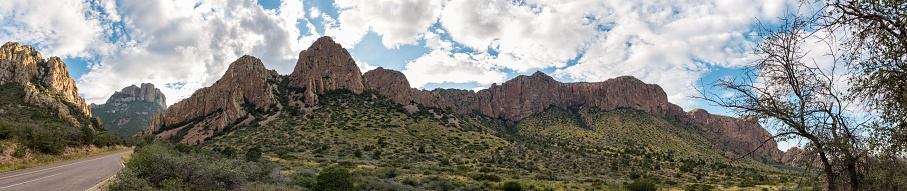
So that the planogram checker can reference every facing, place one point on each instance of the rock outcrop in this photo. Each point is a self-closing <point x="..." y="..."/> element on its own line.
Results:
<point x="146" y="92"/>
<point x="130" y="110"/>
<point x="741" y="136"/>
<point x="245" y="86"/>
<point x="394" y="84"/>
<point x="46" y="82"/>
<point x="524" y="96"/>
<point x="326" y="66"/>
<point x="798" y="157"/>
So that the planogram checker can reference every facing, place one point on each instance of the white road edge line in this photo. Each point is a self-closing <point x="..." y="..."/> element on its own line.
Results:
<point x="29" y="181"/>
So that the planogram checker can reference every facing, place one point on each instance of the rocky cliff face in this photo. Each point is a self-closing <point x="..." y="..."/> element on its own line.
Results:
<point x="146" y="92"/>
<point x="130" y="110"/>
<point x="524" y="96"/>
<point x="326" y="66"/>
<point x="46" y="82"/>
<point x="395" y="85"/>
<point x="740" y="135"/>
<point x="800" y="158"/>
<point x="242" y="88"/>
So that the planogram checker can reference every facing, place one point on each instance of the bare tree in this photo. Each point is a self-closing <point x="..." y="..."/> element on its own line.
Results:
<point x="799" y="99"/>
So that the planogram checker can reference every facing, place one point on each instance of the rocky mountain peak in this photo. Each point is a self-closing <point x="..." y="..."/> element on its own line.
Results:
<point x="326" y="66"/>
<point x="245" y="83"/>
<point x="130" y="110"/>
<point x="145" y="92"/>
<point x="46" y="82"/>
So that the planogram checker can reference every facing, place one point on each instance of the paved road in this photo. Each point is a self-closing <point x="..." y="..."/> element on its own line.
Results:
<point x="78" y="174"/>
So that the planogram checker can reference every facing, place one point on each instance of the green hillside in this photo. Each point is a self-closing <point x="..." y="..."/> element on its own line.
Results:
<point x="577" y="148"/>
<point x="346" y="123"/>
<point x="128" y="118"/>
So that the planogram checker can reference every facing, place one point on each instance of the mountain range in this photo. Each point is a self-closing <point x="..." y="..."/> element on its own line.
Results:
<point x="248" y="87"/>
<point x="249" y="95"/>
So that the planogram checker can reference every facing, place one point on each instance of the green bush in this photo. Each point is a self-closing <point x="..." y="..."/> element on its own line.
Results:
<point x="48" y="140"/>
<point x="253" y="154"/>
<point x="5" y="131"/>
<point x="162" y="167"/>
<point x="642" y="185"/>
<point x="512" y="186"/>
<point x="334" y="179"/>
<point x="304" y="179"/>
<point x="488" y="177"/>
<point x="183" y="148"/>
<point x="698" y="187"/>
<point x="375" y="183"/>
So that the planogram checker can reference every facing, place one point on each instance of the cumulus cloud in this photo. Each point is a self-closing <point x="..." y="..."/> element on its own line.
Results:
<point x="398" y="21"/>
<point x="185" y="45"/>
<point x="441" y="66"/>
<point x="65" y="28"/>
<point x="526" y="36"/>
<point x="180" y="46"/>
<point x="670" y="43"/>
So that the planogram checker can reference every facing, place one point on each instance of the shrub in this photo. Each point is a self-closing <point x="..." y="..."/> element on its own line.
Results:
<point x="162" y="167"/>
<point x="375" y="183"/>
<point x="440" y="183"/>
<point x="376" y="155"/>
<point x="49" y="140"/>
<point x="5" y="131"/>
<point x="183" y="148"/>
<point x="512" y="186"/>
<point x="642" y="185"/>
<point x="347" y="164"/>
<point x="228" y="151"/>
<point x="304" y="179"/>
<point x="698" y="187"/>
<point x="334" y="178"/>
<point x="253" y="154"/>
<point x="488" y="177"/>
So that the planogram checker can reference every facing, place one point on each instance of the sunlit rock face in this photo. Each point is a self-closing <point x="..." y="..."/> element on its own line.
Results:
<point x="45" y="82"/>
<point x="326" y="66"/>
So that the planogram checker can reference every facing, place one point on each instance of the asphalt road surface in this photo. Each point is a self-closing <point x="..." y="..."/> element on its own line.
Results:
<point x="78" y="174"/>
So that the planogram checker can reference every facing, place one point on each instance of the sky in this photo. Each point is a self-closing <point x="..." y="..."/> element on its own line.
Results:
<point x="183" y="45"/>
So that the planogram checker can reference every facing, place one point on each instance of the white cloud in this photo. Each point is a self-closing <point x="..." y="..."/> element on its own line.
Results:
<point x="670" y="43"/>
<point x="65" y="28"/>
<point x="191" y="43"/>
<point x="398" y="21"/>
<point x="441" y="66"/>
<point x="528" y="36"/>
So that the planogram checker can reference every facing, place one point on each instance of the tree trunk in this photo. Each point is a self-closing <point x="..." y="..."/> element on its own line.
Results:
<point x="852" y="171"/>
<point x="829" y="172"/>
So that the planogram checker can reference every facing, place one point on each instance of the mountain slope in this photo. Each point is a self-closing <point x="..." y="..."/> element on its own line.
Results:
<point x="34" y="86"/>
<point x="246" y="87"/>
<point x="130" y="110"/>
<point x="326" y="67"/>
